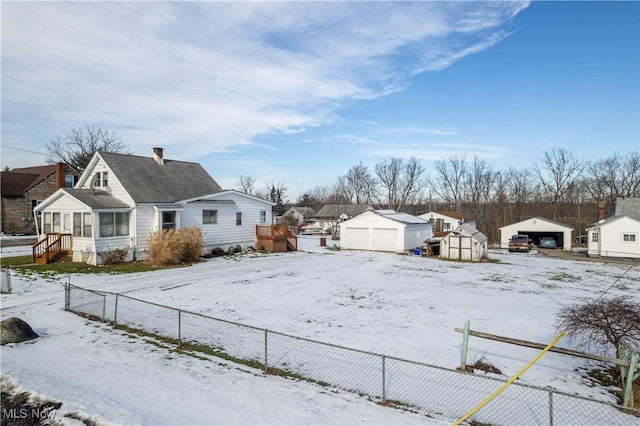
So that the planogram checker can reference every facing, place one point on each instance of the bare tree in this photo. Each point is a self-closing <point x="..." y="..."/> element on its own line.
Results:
<point x="616" y="176"/>
<point x="478" y="184"/>
<point x="449" y="180"/>
<point x="246" y="184"/>
<point x="276" y="193"/>
<point x="557" y="171"/>
<point x="78" y="146"/>
<point x="358" y="184"/>
<point x="401" y="183"/>
<point x="604" y="325"/>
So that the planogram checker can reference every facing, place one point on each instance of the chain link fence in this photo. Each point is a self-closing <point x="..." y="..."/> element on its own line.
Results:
<point x="5" y="280"/>
<point x="437" y="391"/>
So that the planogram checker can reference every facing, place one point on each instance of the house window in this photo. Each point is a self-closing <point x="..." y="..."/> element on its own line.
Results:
<point x="82" y="225"/>
<point x="56" y="223"/>
<point x="629" y="238"/>
<point x="209" y="217"/>
<point x="34" y="203"/>
<point x="47" y="223"/>
<point x="594" y="237"/>
<point x="102" y="179"/>
<point x="86" y="225"/>
<point x="114" y="224"/>
<point x="263" y="216"/>
<point x="69" y="181"/>
<point x="168" y="220"/>
<point x="77" y="224"/>
<point x="238" y="218"/>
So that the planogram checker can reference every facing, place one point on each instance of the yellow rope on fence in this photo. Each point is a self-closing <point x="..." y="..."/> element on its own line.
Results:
<point x="511" y="380"/>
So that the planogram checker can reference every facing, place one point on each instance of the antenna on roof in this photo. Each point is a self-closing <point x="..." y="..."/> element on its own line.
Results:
<point x="92" y="185"/>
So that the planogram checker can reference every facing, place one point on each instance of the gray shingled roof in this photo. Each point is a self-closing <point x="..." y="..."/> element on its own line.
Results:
<point x="335" y="210"/>
<point x="96" y="199"/>
<point x="146" y="181"/>
<point x="628" y="206"/>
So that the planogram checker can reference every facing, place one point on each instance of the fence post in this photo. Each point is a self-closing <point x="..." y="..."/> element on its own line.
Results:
<point x="179" y="328"/>
<point x="266" y="353"/>
<point x="628" y="388"/>
<point x="550" y="406"/>
<point x="104" y="308"/>
<point x="115" y="312"/>
<point x="67" y="296"/>
<point x="384" y="378"/>
<point x="465" y="345"/>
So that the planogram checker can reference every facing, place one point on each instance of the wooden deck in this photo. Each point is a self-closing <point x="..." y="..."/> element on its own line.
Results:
<point x="275" y="238"/>
<point x="51" y="247"/>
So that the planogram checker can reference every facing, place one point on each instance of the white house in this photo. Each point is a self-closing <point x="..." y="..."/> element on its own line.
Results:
<point x="617" y="235"/>
<point x="299" y="215"/>
<point x="536" y="228"/>
<point x="330" y="215"/>
<point x="384" y="230"/>
<point x="120" y="199"/>
<point x="446" y="220"/>
<point x="464" y="243"/>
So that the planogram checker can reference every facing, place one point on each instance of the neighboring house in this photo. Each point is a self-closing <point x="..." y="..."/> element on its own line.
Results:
<point x="446" y="220"/>
<point x="464" y="243"/>
<point x="617" y="235"/>
<point x="121" y="199"/>
<point x="536" y="228"/>
<point x="24" y="188"/>
<point x="330" y="215"/>
<point x="297" y="216"/>
<point x="384" y="230"/>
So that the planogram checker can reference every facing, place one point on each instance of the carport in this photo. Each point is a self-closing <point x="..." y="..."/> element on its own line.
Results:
<point x="536" y="228"/>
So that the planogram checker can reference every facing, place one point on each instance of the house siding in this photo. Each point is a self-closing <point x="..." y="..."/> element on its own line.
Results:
<point x="114" y="187"/>
<point x="610" y="242"/>
<point x="408" y="235"/>
<point x="17" y="213"/>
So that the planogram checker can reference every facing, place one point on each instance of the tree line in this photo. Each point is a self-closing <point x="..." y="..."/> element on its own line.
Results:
<point x="557" y="186"/>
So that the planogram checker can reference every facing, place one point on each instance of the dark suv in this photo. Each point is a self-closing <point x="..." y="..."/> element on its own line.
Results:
<point x="519" y="242"/>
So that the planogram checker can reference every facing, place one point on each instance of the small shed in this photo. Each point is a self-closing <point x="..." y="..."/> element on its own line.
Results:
<point x="384" y="230"/>
<point x="464" y="243"/>
<point x="536" y="228"/>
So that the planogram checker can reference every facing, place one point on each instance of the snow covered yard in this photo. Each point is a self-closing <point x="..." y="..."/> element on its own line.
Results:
<point x="403" y="306"/>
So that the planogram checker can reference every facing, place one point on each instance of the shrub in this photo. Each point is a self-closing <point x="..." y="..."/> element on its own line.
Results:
<point x="192" y="244"/>
<point x="165" y="247"/>
<point x="217" y="252"/>
<point x="113" y="257"/>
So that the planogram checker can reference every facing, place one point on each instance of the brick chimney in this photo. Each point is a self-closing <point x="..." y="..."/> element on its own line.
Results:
<point x="60" y="172"/>
<point x="157" y="155"/>
<point x="601" y="210"/>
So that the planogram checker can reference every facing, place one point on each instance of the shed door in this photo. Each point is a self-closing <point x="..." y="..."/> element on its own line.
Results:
<point x="385" y="239"/>
<point x="356" y="238"/>
<point x="460" y="247"/>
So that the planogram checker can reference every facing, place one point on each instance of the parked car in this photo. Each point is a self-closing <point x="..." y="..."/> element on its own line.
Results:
<point x="548" y="242"/>
<point x="519" y="242"/>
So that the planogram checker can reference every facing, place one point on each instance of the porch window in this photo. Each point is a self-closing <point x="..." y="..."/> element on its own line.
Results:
<point x="168" y="220"/>
<point x="209" y="217"/>
<point x="238" y="218"/>
<point x="56" y="223"/>
<point x="86" y="225"/>
<point x="77" y="224"/>
<point x="263" y="216"/>
<point x="594" y="237"/>
<point x="629" y="238"/>
<point x="114" y="224"/>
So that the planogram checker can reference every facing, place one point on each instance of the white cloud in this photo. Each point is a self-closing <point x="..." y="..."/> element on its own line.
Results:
<point x="212" y="76"/>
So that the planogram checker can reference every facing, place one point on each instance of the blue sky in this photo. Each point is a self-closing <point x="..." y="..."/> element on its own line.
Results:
<point x="298" y="92"/>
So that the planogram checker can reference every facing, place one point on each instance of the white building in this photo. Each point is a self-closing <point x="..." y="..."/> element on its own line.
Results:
<point x="536" y="228"/>
<point x="384" y="230"/>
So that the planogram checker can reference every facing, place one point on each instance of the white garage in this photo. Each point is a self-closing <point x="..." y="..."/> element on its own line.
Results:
<point x="536" y="228"/>
<point x="384" y="230"/>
